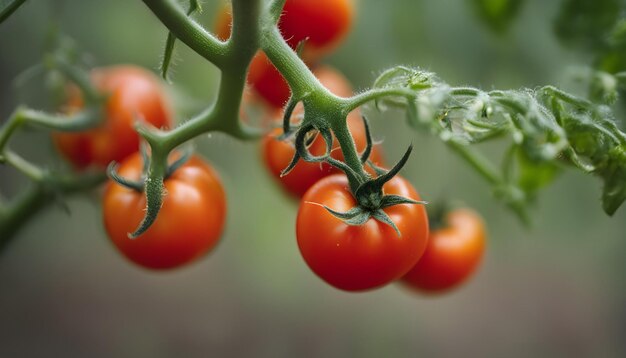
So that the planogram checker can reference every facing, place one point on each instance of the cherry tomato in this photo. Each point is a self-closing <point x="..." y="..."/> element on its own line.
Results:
<point x="356" y="258"/>
<point x="277" y="154"/>
<point x="189" y="223"/>
<point x="133" y="93"/>
<point x="452" y="255"/>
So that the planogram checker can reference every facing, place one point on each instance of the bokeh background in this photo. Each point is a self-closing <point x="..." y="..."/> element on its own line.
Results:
<point x="557" y="289"/>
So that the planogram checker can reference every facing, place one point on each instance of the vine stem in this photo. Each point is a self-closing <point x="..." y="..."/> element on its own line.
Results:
<point x="232" y="57"/>
<point x="33" y="200"/>
<point x="188" y="31"/>
<point x="10" y="9"/>
<point x="317" y="98"/>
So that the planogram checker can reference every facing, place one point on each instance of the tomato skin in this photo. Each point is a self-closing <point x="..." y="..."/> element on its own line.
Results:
<point x="277" y="154"/>
<point x="323" y="23"/>
<point x="453" y="254"/>
<point x="267" y="81"/>
<point x="224" y="22"/>
<point x="132" y="93"/>
<point x="189" y="223"/>
<point x="357" y="258"/>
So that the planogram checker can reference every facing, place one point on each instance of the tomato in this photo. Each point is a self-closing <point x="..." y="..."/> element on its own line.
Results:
<point x="356" y="258"/>
<point x="277" y="154"/>
<point x="453" y="253"/>
<point x="132" y="93"/>
<point x="189" y="223"/>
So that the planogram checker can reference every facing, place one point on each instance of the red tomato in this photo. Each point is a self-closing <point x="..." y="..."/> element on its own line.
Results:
<point x="132" y="93"/>
<point x="452" y="255"/>
<point x="277" y="154"/>
<point x="188" y="226"/>
<point x="356" y="258"/>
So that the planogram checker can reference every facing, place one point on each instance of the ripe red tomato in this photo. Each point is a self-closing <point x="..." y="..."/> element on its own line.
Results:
<point x="356" y="258"/>
<point x="452" y="255"/>
<point x="132" y="93"/>
<point x="188" y="226"/>
<point x="277" y="154"/>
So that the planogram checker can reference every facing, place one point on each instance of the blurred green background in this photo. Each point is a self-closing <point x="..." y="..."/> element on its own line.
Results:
<point x="555" y="290"/>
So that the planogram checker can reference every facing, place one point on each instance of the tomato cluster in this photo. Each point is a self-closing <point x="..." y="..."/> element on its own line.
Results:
<point x="391" y="243"/>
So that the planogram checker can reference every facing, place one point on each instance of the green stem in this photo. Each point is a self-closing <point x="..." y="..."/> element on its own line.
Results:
<point x="10" y="9"/>
<point x="372" y="94"/>
<point x="25" y="167"/>
<point x="304" y="85"/>
<point x="350" y="154"/>
<point x="301" y="80"/>
<point x="154" y="188"/>
<point x="82" y="120"/>
<point x="22" y="209"/>
<point x="232" y="57"/>
<point x="244" y="41"/>
<point x="188" y="31"/>
<point x="29" y="203"/>
<point x="478" y="162"/>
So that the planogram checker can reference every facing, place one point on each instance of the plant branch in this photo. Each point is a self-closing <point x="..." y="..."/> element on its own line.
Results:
<point x="9" y="9"/>
<point x="189" y="31"/>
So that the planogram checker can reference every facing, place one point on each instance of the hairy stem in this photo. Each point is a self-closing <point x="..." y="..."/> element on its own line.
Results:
<point x="188" y="31"/>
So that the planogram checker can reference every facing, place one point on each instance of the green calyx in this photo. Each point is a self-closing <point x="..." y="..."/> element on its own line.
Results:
<point x="138" y="185"/>
<point x="154" y="190"/>
<point x="367" y="191"/>
<point x="371" y="199"/>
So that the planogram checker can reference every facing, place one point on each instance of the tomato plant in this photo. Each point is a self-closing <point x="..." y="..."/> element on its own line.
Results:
<point x="359" y="257"/>
<point x="132" y="93"/>
<point x="277" y="153"/>
<point x="190" y="221"/>
<point x="358" y="230"/>
<point x="453" y="253"/>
